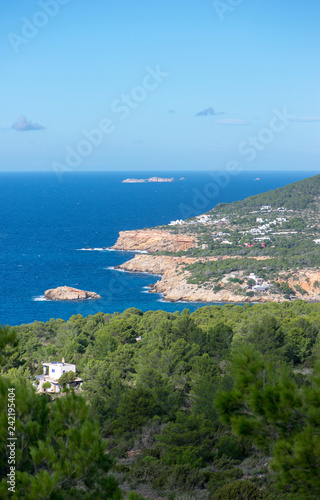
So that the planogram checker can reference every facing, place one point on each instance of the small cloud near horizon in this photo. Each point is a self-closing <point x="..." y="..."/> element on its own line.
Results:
<point x="208" y="112"/>
<point x="306" y="119"/>
<point x="232" y="122"/>
<point x="23" y="125"/>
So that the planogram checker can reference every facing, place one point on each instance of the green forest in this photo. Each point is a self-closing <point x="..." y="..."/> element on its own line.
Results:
<point x="221" y="403"/>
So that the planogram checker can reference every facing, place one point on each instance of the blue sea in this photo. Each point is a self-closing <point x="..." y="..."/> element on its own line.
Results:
<point x="47" y="222"/>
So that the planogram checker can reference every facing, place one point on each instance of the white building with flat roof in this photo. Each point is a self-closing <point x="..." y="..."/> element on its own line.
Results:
<point x="55" y="369"/>
<point x="261" y="288"/>
<point x="52" y="372"/>
<point x="177" y="222"/>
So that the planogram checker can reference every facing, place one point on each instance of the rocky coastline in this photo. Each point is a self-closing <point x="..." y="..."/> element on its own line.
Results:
<point x="154" y="241"/>
<point x="174" y="285"/>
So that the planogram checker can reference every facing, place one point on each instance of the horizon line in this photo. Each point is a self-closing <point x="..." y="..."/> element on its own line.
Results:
<point x="158" y="171"/>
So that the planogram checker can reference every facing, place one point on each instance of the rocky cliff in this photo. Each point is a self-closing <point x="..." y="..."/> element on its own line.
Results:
<point x="69" y="293"/>
<point x="155" y="264"/>
<point x="307" y="280"/>
<point x="154" y="240"/>
<point x="174" y="280"/>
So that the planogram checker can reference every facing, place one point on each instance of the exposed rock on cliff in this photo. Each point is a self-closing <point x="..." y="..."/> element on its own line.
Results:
<point x="69" y="293"/>
<point x="307" y="280"/>
<point x="154" y="264"/>
<point x="154" y="240"/>
<point x="174" y="286"/>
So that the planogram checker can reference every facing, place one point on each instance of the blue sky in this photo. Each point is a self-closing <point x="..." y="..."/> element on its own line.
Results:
<point x="118" y="85"/>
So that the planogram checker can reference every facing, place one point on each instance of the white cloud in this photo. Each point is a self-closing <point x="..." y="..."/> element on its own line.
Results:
<point x="23" y="125"/>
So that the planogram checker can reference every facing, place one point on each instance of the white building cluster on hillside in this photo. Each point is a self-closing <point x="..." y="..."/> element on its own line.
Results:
<point x="177" y="222"/>
<point x="266" y="225"/>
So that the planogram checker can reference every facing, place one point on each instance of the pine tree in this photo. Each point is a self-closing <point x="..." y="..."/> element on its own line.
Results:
<point x="281" y="415"/>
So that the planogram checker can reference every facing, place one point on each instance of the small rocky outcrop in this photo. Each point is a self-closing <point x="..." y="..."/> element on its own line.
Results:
<point x="153" y="240"/>
<point x="69" y="293"/>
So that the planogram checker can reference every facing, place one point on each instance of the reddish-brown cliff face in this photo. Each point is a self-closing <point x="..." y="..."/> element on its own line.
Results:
<point x="154" y="240"/>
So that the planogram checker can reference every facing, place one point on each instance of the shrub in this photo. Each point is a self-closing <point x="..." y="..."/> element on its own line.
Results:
<point x="220" y="478"/>
<point x="66" y="378"/>
<point x="224" y="462"/>
<point x="251" y="282"/>
<point x="239" y="490"/>
<point x="233" y="447"/>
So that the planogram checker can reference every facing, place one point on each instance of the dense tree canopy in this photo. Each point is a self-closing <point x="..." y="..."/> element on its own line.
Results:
<point x="186" y="402"/>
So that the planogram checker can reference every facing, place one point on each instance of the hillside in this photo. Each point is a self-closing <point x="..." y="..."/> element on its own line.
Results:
<point x="265" y="247"/>
<point x="164" y="394"/>
<point x="299" y="195"/>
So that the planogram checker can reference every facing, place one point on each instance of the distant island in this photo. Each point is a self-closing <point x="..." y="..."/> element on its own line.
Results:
<point x="151" y="179"/>
<point x="264" y="248"/>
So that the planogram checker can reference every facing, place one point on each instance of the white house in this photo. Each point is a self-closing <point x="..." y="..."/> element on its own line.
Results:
<point x="52" y="372"/>
<point x="258" y="281"/>
<point x="261" y="288"/>
<point x="265" y="207"/>
<point x="203" y="219"/>
<point x="55" y="369"/>
<point x="176" y="222"/>
<point x="263" y="238"/>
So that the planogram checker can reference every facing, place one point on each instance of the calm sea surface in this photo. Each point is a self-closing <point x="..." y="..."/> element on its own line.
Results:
<point x="45" y="223"/>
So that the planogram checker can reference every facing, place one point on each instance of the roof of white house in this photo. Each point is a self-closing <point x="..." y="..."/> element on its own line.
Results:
<point x="58" y="364"/>
<point x="261" y="288"/>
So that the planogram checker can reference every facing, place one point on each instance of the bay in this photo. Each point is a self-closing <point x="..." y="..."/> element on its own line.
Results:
<point x="46" y="222"/>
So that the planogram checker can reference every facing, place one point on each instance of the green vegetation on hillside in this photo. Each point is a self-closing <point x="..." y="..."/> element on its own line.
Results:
<point x="200" y="403"/>
<point x="282" y="226"/>
<point x="299" y="195"/>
